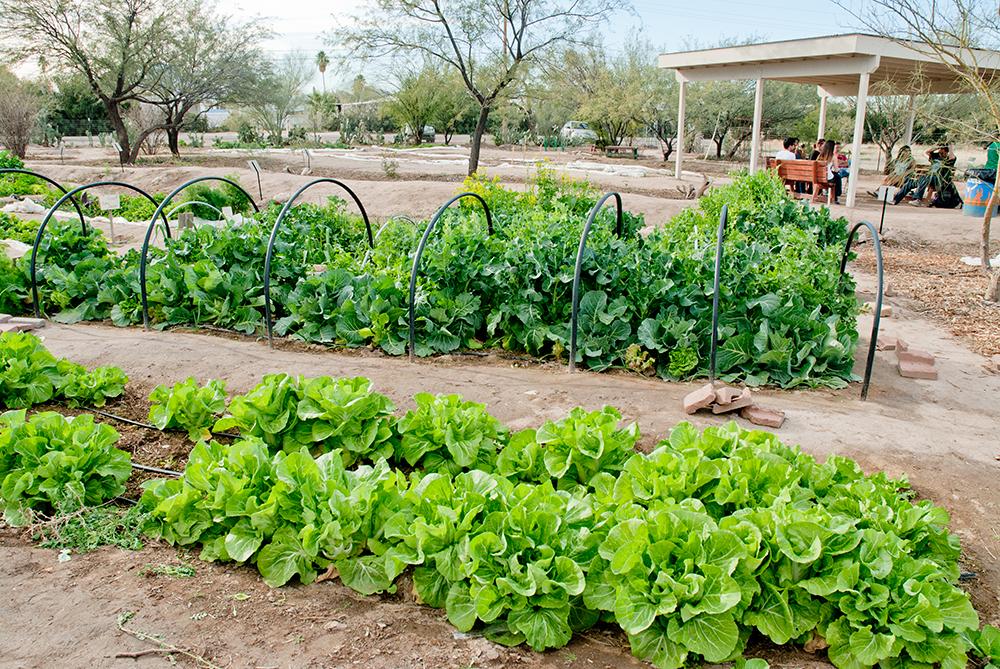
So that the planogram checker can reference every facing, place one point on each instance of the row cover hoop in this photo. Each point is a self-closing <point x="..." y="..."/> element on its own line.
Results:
<point x="166" y="225"/>
<point x="878" y="301"/>
<point x="619" y="228"/>
<point x="420" y="252"/>
<point x="76" y="205"/>
<point x="59" y="203"/>
<point x="274" y="236"/>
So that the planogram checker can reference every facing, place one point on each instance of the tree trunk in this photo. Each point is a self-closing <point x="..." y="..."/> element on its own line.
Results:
<point x="993" y="291"/>
<point x="118" y="125"/>
<point x="984" y="243"/>
<point x="477" y="139"/>
<point x="173" y="137"/>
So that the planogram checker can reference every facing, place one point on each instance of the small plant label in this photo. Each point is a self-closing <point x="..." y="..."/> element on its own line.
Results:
<point x="254" y="165"/>
<point x="118" y="147"/>
<point x="109" y="202"/>
<point x="227" y="213"/>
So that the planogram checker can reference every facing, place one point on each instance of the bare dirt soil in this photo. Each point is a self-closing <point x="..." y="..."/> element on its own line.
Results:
<point x="943" y="434"/>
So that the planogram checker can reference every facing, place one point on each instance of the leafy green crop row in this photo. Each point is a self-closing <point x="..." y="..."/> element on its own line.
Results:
<point x="534" y="535"/>
<point x="785" y="317"/>
<point x="30" y="375"/>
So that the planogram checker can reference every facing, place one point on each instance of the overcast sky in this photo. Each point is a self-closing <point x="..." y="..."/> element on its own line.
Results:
<point x="670" y="23"/>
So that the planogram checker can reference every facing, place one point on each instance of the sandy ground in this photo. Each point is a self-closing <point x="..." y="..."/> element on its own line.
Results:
<point x="942" y="434"/>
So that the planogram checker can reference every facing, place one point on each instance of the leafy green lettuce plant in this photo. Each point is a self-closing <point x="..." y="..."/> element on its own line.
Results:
<point x="188" y="406"/>
<point x="447" y="434"/>
<point x="52" y="465"/>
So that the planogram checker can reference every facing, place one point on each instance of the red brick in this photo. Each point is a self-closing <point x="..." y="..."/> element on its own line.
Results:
<point x="916" y="370"/>
<point x="758" y="415"/>
<point x="886" y="343"/>
<point x="4" y="318"/>
<point x="10" y="327"/>
<point x="901" y="345"/>
<point x="744" y="400"/>
<point x="915" y="355"/>
<point x="699" y="399"/>
<point x="726" y="394"/>
<point x="886" y="311"/>
<point x="889" y="290"/>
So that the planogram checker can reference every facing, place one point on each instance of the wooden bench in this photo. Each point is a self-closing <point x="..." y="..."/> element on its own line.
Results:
<point x="803" y="171"/>
<point x="611" y="151"/>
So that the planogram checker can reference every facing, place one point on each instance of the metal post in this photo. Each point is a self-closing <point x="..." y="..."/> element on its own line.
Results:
<point x="758" y="109"/>
<point x="723" y="218"/>
<point x="680" y="125"/>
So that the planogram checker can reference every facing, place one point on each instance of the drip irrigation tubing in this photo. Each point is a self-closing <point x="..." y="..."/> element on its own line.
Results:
<point x="477" y="354"/>
<point x="156" y="470"/>
<point x="153" y="427"/>
<point x="125" y="500"/>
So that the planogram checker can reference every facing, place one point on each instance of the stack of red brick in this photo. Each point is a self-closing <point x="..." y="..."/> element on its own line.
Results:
<point x="913" y="363"/>
<point x="9" y="323"/>
<point x="726" y="399"/>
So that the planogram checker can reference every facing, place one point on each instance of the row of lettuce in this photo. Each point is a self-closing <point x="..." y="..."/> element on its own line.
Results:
<point x="646" y="302"/>
<point x="531" y="536"/>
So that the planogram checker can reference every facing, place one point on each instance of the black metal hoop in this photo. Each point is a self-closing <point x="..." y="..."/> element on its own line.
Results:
<point x="152" y="224"/>
<point x="76" y="205"/>
<point x="579" y="267"/>
<point x="878" y="301"/>
<point x="723" y="220"/>
<point x="274" y="236"/>
<point x="48" y="216"/>
<point x="420" y="252"/>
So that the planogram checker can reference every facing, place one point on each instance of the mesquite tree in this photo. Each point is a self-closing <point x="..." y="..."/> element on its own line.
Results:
<point x="490" y="44"/>
<point x="951" y="32"/>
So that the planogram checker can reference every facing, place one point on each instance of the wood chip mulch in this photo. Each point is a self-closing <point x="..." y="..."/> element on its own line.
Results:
<point x="943" y="289"/>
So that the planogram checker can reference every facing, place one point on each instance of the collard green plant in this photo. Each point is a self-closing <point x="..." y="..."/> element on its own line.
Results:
<point x="52" y="465"/>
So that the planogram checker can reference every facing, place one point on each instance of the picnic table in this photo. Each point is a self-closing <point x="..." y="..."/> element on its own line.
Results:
<point x="611" y="151"/>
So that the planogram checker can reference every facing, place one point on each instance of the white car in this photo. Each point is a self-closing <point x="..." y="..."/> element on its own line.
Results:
<point x="577" y="131"/>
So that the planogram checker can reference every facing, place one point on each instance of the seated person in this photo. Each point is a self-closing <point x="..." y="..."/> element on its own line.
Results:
<point x="938" y="177"/>
<point x="829" y="156"/>
<point x="843" y="162"/>
<point x="788" y="153"/>
<point x="901" y="169"/>
<point x="817" y="148"/>
<point x="988" y="172"/>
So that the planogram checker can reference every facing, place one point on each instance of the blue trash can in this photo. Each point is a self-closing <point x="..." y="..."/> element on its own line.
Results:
<point x="977" y="196"/>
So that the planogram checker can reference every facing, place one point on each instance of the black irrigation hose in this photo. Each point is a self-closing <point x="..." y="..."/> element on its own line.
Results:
<point x="195" y="326"/>
<point x="153" y="427"/>
<point x="723" y="219"/>
<point x="498" y="355"/>
<point x="125" y="420"/>
<point x="125" y="500"/>
<point x="156" y="470"/>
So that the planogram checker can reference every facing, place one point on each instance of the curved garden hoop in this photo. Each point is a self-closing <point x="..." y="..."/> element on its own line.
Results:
<point x="420" y="252"/>
<point x="878" y="302"/>
<point x="579" y="266"/>
<point x="48" y="217"/>
<point x="274" y="236"/>
<point x="191" y="203"/>
<point x="76" y="205"/>
<point x="723" y="220"/>
<point x="166" y="226"/>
